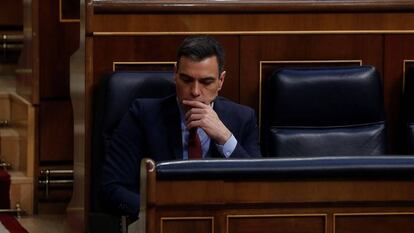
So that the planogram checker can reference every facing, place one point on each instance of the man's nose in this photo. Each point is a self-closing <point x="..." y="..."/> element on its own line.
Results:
<point x="195" y="89"/>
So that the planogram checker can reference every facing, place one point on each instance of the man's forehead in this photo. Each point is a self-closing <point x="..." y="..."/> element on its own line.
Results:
<point x="205" y="67"/>
<point x="199" y="60"/>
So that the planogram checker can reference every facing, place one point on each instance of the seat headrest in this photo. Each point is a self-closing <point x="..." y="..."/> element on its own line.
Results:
<point x="123" y="87"/>
<point x="325" y="96"/>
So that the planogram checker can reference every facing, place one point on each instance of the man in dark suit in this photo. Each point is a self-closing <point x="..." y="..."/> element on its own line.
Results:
<point x="194" y="123"/>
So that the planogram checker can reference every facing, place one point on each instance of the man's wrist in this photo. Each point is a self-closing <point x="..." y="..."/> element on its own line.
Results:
<point x="226" y="136"/>
<point x="228" y="147"/>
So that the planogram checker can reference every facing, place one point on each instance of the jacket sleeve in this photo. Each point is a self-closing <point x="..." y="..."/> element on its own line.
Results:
<point x="120" y="173"/>
<point x="247" y="138"/>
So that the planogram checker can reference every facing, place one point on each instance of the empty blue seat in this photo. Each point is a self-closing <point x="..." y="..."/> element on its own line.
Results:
<point x="324" y="111"/>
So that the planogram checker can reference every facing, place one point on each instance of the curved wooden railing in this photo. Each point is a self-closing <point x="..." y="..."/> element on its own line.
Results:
<point x="129" y="6"/>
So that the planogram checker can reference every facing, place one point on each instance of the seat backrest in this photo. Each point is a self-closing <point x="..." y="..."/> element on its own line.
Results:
<point x="112" y="100"/>
<point x="324" y="111"/>
<point x="409" y="109"/>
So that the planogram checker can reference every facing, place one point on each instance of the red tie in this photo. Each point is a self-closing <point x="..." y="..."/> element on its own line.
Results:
<point x="194" y="145"/>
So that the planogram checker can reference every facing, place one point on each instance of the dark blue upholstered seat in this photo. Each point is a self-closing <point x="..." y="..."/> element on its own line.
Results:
<point x="324" y="112"/>
<point x="112" y="100"/>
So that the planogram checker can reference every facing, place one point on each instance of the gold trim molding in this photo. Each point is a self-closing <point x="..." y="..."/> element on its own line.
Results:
<point x="291" y="62"/>
<point x="24" y="71"/>
<point x="142" y="63"/>
<point x="317" y="32"/>
<point x="373" y="214"/>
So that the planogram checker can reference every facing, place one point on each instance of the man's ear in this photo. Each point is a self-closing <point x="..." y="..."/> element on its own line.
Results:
<point x="221" y="79"/>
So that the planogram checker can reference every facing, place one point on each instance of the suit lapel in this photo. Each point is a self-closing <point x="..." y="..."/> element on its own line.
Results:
<point x="172" y="122"/>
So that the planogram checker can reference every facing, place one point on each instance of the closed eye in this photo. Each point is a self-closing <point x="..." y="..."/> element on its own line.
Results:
<point x="207" y="81"/>
<point x="186" y="78"/>
<point x="204" y="81"/>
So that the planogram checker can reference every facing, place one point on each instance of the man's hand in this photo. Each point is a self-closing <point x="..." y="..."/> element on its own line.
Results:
<point x="203" y="116"/>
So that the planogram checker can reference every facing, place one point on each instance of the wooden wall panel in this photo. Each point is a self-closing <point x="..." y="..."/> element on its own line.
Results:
<point x="69" y="10"/>
<point x="367" y="48"/>
<point x="248" y="23"/>
<point x="154" y="49"/>
<point x="276" y="224"/>
<point x="137" y="66"/>
<point x="57" y="41"/>
<point x="378" y="223"/>
<point x="43" y="76"/>
<point x="286" y="217"/>
<point x="56" y="132"/>
<point x="11" y="14"/>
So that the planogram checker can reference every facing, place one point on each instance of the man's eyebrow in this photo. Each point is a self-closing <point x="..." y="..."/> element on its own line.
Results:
<point x="203" y="78"/>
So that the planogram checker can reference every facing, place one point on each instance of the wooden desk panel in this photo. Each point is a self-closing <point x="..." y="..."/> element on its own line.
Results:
<point x="218" y="192"/>
<point x="276" y="223"/>
<point x="187" y="224"/>
<point x="378" y="223"/>
<point x="254" y="23"/>
<point x="277" y="205"/>
<point x="263" y="6"/>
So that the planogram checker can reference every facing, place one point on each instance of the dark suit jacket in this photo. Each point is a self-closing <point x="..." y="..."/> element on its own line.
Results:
<point x="152" y="128"/>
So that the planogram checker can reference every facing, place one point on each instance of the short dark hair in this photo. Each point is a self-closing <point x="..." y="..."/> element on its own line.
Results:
<point x="197" y="48"/>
